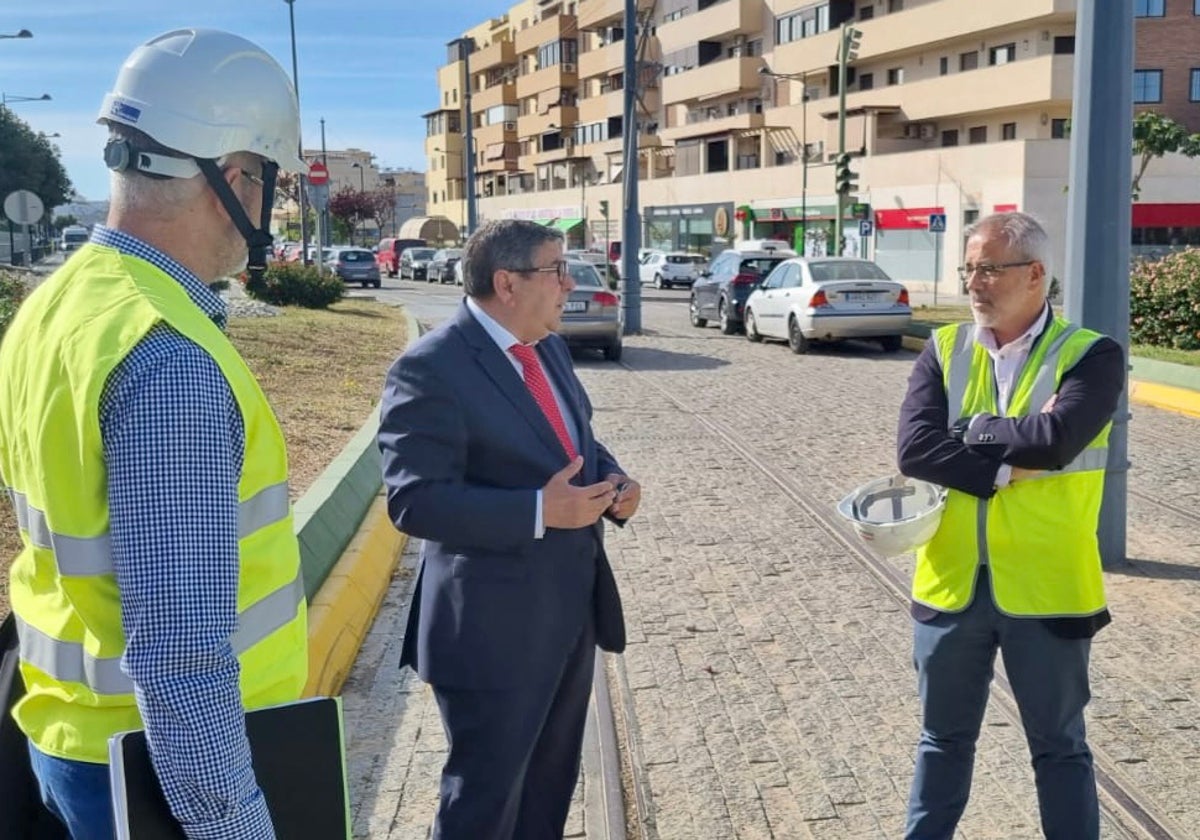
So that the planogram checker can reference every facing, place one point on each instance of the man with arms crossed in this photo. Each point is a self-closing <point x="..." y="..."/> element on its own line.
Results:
<point x="1012" y="415"/>
<point x="488" y="455"/>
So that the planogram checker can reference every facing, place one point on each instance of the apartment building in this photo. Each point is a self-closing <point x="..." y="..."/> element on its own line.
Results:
<point x="955" y="108"/>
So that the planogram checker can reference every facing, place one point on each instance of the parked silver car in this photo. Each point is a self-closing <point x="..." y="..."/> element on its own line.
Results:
<point x="592" y="314"/>
<point x="674" y="269"/>
<point x="354" y="265"/>
<point x="828" y="299"/>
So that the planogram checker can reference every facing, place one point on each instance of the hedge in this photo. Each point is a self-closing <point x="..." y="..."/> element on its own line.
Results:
<point x="295" y="284"/>
<point x="1164" y="301"/>
<point x="12" y="292"/>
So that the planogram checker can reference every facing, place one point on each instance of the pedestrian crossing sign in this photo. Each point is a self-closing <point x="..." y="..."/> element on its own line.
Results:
<point x="937" y="222"/>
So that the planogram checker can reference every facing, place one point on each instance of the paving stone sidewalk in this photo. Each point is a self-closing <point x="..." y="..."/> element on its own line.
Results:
<point x="770" y="673"/>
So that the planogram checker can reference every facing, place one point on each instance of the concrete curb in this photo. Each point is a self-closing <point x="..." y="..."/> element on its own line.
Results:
<point x="1141" y="391"/>
<point x="349" y="577"/>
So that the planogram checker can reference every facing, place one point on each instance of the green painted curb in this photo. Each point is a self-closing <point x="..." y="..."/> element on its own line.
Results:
<point x="330" y="511"/>
<point x="1166" y="373"/>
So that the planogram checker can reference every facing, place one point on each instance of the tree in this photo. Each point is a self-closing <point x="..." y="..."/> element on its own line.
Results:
<point x="348" y="207"/>
<point x="28" y="161"/>
<point x="1155" y="135"/>
<point x="66" y="221"/>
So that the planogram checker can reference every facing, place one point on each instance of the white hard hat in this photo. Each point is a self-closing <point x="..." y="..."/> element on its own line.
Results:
<point x="208" y="93"/>
<point x="896" y="514"/>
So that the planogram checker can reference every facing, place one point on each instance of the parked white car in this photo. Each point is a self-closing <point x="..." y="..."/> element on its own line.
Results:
<point x="668" y="270"/>
<point x="805" y="299"/>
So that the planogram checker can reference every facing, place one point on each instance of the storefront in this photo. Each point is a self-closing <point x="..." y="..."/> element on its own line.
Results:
<point x="786" y="222"/>
<point x="1159" y="229"/>
<point x="705" y="229"/>
<point x="904" y="246"/>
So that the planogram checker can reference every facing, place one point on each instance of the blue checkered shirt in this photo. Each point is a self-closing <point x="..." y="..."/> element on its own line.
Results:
<point x="173" y="444"/>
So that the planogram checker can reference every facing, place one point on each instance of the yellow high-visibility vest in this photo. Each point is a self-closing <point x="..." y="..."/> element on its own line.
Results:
<point x="55" y="358"/>
<point x="1038" y="536"/>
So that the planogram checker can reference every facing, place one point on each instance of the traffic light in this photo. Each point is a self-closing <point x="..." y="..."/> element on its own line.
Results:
<point x="604" y="207"/>
<point x="851" y="40"/>
<point x="845" y="178"/>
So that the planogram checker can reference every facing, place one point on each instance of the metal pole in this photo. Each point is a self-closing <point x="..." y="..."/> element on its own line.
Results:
<point x="1096" y="279"/>
<point x="583" y="205"/>
<point x="804" y="168"/>
<point x="631" y="301"/>
<point x="301" y="177"/>
<point x="843" y="60"/>
<point x="467" y="45"/>
<point x="324" y="237"/>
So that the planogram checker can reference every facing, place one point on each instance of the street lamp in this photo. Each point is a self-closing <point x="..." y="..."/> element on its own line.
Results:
<point x="5" y="98"/>
<point x="802" y="78"/>
<point x="300" y="146"/>
<point x="24" y="33"/>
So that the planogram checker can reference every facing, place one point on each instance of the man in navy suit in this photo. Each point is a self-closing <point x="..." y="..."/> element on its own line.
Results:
<point x="1011" y="414"/>
<point x="488" y="455"/>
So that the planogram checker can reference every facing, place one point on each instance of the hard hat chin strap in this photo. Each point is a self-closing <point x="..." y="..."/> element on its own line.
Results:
<point x="259" y="239"/>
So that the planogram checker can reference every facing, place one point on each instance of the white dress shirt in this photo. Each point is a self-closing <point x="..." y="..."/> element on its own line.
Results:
<point x="1007" y="362"/>
<point x="504" y="340"/>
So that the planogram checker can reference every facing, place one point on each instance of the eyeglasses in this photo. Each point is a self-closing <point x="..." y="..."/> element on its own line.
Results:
<point x="989" y="271"/>
<point x="253" y="179"/>
<point x="559" y="269"/>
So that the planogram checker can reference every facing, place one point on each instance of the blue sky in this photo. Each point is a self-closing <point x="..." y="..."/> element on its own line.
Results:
<point x="367" y="66"/>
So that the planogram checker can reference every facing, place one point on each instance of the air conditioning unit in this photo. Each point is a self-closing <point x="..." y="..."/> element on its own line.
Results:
<point x="510" y="125"/>
<point x="912" y="130"/>
<point x="568" y="68"/>
<point x="928" y="131"/>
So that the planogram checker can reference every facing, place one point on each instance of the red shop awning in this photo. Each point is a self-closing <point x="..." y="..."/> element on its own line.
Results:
<point x="906" y="218"/>
<point x="1165" y="215"/>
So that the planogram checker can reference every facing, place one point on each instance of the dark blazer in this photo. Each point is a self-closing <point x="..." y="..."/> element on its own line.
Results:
<point x="465" y="450"/>
<point x="1086" y="400"/>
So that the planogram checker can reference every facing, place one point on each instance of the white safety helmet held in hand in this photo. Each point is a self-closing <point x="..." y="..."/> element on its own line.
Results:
<point x="896" y="514"/>
<point x="208" y="93"/>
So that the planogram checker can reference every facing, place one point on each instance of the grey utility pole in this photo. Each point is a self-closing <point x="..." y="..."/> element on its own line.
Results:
<point x="466" y="46"/>
<point x="1096" y="287"/>
<point x="631" y="220"/>
<point x="301" y="177"/>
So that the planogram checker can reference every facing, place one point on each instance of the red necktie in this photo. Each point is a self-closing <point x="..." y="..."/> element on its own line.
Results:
<point x="539" y="387"/>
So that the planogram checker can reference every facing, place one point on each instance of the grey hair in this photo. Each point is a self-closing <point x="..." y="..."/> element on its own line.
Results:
<point x="1024" y="234"/>
<point x="503" y="244"/>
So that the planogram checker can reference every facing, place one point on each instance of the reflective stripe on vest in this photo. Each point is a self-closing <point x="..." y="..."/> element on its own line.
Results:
<point x="84" y="556"/>
<point x="69" y="662"/>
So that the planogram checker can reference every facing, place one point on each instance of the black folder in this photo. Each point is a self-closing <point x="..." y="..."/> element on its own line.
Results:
<point x="298" y="751"/>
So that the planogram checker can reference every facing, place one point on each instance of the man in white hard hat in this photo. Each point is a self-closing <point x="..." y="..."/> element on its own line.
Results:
<point x="159" y="582"/>
<point x="1012" y="414"/>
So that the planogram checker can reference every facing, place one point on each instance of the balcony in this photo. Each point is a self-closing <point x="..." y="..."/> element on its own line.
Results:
<point x="599" y="108"/>
<point x="554" y="76"/>
<point x="596" y="14"/>
<point x="531" y="125"/>
<point x="720" y="78"/>
<point x="966" y="21"/>
<point x="1016" y="85"/>
<point x="719" y="125"/>
<point x="496" y="54"/>
<point x="721" y="20"/>
<point x="603" y="61"/>
<point x="503" y="94"/>
<point x="496" y="133"/>
<point x="551" y="29"/>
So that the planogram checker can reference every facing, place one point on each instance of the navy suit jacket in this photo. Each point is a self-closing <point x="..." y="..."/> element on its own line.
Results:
<point x="1086" y="400"/>
<point x="465" y="450"/>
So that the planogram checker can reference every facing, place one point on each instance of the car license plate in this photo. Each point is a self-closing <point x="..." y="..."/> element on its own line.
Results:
<point x="858" y="297"/>
<point x="575" y="306"/>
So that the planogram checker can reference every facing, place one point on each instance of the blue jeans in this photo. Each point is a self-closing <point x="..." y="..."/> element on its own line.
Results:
<point x="78" y="793"/>
<point x="954" y="655"/>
